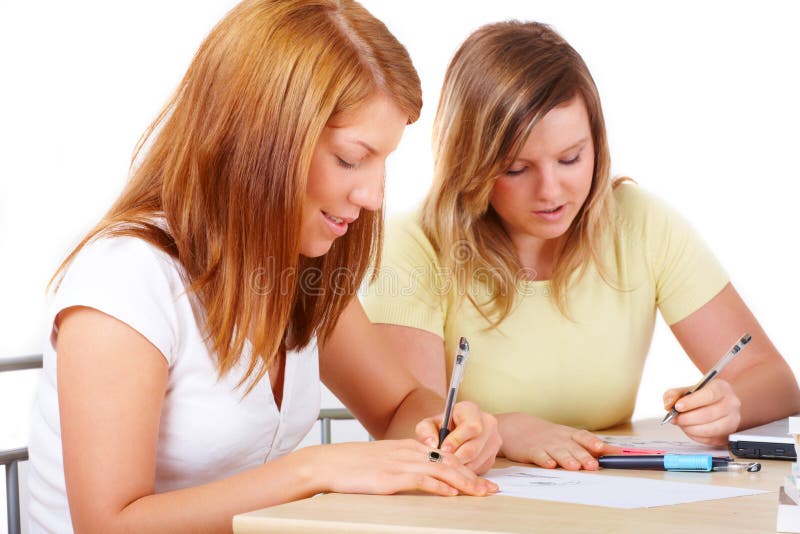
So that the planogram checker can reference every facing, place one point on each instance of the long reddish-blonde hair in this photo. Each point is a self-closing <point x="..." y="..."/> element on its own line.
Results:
<point x="225" y="166"/>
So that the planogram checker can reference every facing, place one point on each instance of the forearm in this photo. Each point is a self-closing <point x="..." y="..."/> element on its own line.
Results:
<point x="211" y="507"/>
<point x="417" y="405"/>
<point x="767" y="391"/>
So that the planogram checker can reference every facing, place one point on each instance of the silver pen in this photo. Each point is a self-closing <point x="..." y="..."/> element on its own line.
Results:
<point x="714" y="371"/>
<point x="750" y="467"/>
<point x="455" y="381"/>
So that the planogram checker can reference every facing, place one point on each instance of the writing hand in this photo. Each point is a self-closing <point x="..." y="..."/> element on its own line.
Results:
<point x="535" y="441"/>
<point x="474" y="439"/>
<point x="709" y="414"/>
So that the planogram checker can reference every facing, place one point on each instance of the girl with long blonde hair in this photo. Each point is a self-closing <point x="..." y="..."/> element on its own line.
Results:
<point x="555" y="271"/>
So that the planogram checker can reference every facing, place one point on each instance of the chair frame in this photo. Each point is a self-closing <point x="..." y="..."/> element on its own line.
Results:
<point x="10" y="458"/>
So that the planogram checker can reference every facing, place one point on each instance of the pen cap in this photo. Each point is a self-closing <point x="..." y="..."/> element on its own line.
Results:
<point x="688" y="462"/>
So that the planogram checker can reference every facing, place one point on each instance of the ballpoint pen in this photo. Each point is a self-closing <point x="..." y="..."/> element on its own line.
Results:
<point x="676" y="462"/>
<point x="455" y="381"/>
<point x="714" y="371"/>
<point x="727" y="464"/>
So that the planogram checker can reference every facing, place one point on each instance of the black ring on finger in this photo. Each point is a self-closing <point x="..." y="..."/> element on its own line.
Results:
<point x="434" y="456"/>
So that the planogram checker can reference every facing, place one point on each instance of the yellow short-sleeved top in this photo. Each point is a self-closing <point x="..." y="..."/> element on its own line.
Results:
<point x="583" y="372"/>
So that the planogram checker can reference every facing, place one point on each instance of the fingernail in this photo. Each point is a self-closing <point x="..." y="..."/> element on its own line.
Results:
<point x="430" y="442"/>
<point x="679" y="407"/>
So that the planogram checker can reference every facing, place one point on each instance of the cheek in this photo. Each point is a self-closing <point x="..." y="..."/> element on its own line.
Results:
<point x="505" y="194"/>
<point x="322" y="183"/>
<point x="578" y="181"/>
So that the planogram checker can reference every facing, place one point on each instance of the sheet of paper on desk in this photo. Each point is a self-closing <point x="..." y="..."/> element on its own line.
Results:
<point x="604" y="490"/>
<point x="670" y="446"/>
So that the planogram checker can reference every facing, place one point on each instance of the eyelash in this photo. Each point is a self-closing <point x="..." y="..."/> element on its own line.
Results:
<point x="572" y="161"/>
<point x="344" y="164"/>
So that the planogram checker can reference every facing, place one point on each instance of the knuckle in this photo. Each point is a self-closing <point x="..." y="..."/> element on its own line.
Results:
<point x="469" y="404"/>
<point x="473" y="427"/>
<point x="467" y="451"/>
<point x="489" y="421"/>
<point x="455" y="440"/>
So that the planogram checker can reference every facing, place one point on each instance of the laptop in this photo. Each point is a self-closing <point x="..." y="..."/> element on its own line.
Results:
<point x="771" y="441"/>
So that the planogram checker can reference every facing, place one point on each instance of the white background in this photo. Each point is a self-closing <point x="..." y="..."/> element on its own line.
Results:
<point x="700" y="99"/>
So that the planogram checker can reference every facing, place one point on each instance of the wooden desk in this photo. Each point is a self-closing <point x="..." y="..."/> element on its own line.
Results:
<point x="335" y="512"/>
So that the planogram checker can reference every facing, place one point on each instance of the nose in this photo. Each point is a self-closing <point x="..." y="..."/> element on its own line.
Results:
<point x="545" y="183"/>
<point x="368" y="192"/>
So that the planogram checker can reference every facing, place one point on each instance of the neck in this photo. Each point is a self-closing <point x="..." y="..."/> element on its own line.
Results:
<point x="536" y="256"/>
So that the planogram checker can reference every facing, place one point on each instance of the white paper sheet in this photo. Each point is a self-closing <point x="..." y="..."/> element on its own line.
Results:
<point x="670" y="446"/>
<point x="604" y="490"/>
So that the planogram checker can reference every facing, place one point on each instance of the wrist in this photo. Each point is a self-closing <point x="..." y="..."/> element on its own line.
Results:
<point x="310" y="472"/>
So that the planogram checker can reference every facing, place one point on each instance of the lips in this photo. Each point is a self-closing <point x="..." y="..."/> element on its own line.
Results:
<point x="551" y="210"/>
<point x="339" y="220"/>
<point x="338" y="225"/>
<point x="551" y="214"/>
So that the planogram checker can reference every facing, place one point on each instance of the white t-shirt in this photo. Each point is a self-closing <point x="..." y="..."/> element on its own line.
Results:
<point x="208" y="430"/>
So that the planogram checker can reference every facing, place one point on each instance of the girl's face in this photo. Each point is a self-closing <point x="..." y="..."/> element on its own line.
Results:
<point x="347" y="171"/>
<point x="539" y="196"/>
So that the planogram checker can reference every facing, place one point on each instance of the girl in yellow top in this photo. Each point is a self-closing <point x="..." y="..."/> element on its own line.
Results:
<point x="554" y="270"/>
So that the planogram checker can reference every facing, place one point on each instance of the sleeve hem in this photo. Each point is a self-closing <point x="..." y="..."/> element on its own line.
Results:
<point x="144" y="329"/>
<point x="698" y="300"/>
<point x="396" y="315"/>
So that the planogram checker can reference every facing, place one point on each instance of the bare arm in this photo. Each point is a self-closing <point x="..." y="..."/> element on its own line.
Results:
<point x="364" y="369"/>
<point x="525" y="438"/>
<point x="111" y="385"/>
<point x="756" y="387"/>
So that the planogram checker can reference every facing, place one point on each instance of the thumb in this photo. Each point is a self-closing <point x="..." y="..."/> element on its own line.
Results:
<point x="427" y="432"/>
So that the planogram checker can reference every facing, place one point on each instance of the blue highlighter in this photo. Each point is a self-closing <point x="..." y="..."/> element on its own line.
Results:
<point x="660" y="462"/>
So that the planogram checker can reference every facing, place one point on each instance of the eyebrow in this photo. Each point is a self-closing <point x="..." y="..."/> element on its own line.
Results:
<point x="364" y="144"/>
<point x="576" y="144"/>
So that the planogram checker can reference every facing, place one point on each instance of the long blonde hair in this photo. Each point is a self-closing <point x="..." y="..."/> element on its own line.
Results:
<point x="503" y="79"/>
<point x="225" y="165"/>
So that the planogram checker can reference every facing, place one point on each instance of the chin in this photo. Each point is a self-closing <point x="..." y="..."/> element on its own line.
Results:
<point x="315" y="250"/>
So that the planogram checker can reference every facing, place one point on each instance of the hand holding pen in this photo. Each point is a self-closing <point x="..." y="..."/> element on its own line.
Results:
<point x="475" y="445"/>
<point x="712" y="373"/>
<point x="455" y="381"/>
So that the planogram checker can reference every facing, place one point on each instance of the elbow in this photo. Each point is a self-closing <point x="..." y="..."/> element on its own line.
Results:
<point x="93" y="520"/>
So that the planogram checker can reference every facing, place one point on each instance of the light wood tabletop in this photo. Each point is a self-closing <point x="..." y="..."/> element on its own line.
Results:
<point x="334" y="513"/>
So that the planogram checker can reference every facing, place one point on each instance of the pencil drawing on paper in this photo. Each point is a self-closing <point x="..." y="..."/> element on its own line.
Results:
<point x="534" y="479"/>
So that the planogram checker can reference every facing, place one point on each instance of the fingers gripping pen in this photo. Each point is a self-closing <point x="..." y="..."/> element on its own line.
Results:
<point x="714" y="371"/>
<point x="452" y="391"/>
